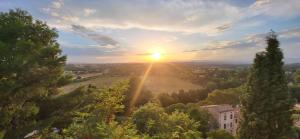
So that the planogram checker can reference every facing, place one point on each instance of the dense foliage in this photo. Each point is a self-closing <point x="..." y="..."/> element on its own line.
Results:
<point x="98" y="117"/>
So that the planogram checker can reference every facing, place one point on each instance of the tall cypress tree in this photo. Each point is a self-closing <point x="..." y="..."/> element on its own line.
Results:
<point x="267" y="107"/>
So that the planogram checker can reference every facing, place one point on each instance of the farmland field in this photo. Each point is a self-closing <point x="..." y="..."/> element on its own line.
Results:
<point x="99" y="82"/>
<point x="156" y="84"/>
<point x="168" y="84"/>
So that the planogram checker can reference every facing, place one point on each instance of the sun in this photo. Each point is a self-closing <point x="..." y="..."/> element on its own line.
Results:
<point x="156" y="56"/>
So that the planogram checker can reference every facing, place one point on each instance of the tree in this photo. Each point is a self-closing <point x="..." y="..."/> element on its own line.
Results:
<point x="151" y="119"/>
<point x="166" y="99"/>
<point x="31" y="67"/>
<point x="94" y="116"/>
<point x="206" y="120"/>
<point x="219" y="134"/>
<point x="295" y="91"/>
<point x="296" y="76"/>
<point x="176" y="107"/>
<point x="106" y="102"/>
<point x="144" y="96"/>
<point x="114" y="130"/>
<point x="227" y="96"/>
<point x="179" y="125"/>
<point x="267" y="106"/>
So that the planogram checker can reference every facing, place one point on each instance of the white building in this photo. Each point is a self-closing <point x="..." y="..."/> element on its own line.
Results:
<point x="226" y="115"/>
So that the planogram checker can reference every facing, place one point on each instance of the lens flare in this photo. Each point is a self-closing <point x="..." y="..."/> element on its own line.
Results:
<point x="138" y="90"/>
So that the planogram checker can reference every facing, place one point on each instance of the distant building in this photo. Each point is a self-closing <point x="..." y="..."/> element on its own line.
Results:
<point x="226" y="115"/>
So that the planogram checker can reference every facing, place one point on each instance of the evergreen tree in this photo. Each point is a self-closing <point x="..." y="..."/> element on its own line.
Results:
<point x="31" y="68"/>
<point x="267" y="106"/>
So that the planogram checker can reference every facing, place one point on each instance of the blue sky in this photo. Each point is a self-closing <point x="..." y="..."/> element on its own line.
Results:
<point x="104" y="31"/>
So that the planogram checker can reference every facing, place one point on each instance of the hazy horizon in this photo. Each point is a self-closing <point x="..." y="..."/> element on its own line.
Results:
<point x="286" y="61"/>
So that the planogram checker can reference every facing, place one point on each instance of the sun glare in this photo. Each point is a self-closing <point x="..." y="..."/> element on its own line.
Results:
<point x="156" y="56"/>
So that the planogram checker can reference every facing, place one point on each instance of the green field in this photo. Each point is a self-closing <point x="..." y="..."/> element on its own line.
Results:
<point x="99" y="81"/>
<point x="156" y="84"/>
<point x="168" y="84"/>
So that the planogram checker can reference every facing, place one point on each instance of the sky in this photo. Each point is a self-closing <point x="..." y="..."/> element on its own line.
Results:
<point x="117" y="31"/>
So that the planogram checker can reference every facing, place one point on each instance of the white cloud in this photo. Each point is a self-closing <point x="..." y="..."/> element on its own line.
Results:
<point x="290" y="33"/>
<point x="247" y="47"/>
<point x="71" y="19"/>
<point x="46" y="10"/>
<point x="57" y="4"/>
<point x="187" y="16"/>
<point x="170" y="39"/>
<point x="55" y="14"/>
<point x="191" y="16"/>
<point x="277" y="8"/>
<point x="88" y="11"/>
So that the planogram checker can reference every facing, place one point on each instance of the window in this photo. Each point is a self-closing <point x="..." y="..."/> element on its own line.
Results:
<point x="224" y="126"/>
<point x="231" y="116"/>
<point x="235" y="120"/>
<point x="231" y="124"/>
<point x="225" y="116"/>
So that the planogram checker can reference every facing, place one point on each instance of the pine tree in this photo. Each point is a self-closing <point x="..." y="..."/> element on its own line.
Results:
<point x="31" y="69"/>
<point x="267" y="106"/>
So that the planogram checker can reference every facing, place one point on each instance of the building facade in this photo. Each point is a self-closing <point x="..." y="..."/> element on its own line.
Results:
<point x="226" y="115"/>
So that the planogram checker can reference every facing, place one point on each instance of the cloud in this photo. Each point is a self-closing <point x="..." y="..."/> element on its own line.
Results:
<point x="240" y="51"/>
<point x="187" y="16"/>
<point x="217" y="45"/>
<point x="88" y="11"/>
<point x="250" y="41"/>
<point x="194" y="50"/>
<point x="276" y="8"/>
<point x="57" y="4"/>
<point x="191" y="22"/>
<point x="90" y="51"/>
<point x="290" y="33"/>
<point x="102" y="40"/>
<point x="223" y="27"/>
<point x="222" y="45"/>
<point x="104" y="46"/>
<point x="190" y="16"/>
<point x="170" y="39"/>
<point x="55" y="14"/>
